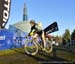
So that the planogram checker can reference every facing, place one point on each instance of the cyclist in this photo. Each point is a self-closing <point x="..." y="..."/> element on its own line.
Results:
<point x="35" y="30"/>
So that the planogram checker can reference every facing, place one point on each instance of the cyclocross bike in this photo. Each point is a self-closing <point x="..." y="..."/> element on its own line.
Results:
<point x="33" y="45"/>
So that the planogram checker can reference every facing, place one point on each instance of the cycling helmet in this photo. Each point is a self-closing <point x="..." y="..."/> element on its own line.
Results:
<point x="32" y="21"/>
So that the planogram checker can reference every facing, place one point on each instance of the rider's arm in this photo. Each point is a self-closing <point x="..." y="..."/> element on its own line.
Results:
<point x="31" y="31"/>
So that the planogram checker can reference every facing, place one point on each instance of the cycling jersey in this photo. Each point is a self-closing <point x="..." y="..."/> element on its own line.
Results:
<point x="35" y="29"/>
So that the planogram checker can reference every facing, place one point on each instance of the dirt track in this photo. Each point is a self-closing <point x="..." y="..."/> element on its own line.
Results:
<point x="22" y="58"/>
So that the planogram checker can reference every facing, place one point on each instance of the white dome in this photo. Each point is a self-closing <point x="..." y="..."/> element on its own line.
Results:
<point x="23" y="26"/>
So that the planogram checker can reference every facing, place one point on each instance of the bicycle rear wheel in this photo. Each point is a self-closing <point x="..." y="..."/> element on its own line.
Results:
<point x="30" y="47"/>
<point x="48" y="46"/>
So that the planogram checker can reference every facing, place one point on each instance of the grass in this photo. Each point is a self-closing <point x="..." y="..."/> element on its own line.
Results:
<point x="10" y="51"/>
<point x="6" y="52"/>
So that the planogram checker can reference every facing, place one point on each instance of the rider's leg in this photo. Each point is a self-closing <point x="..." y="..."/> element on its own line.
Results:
<point x="35" y="37"/>
<point x="43" y="39"/>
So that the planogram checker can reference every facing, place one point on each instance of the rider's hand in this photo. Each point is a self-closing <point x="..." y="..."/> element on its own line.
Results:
<point x="27" y="36"/>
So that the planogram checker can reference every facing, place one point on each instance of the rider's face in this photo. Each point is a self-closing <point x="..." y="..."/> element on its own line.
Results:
<point x="31" y="24"/>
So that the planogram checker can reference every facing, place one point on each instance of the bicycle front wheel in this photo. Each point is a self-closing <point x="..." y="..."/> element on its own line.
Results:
<point x="31" y="47"/>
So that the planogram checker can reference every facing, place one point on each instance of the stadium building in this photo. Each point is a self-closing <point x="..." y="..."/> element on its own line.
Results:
<point x="22" y="26"/>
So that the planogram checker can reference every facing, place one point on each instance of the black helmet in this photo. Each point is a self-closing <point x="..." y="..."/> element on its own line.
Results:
<point x="32" y="21"/>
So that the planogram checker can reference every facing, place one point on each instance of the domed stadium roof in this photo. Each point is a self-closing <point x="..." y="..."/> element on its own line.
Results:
<point x="23" y="26"/>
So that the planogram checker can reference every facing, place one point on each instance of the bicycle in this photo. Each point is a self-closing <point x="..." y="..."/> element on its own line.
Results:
<point x="32" y="45"/>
